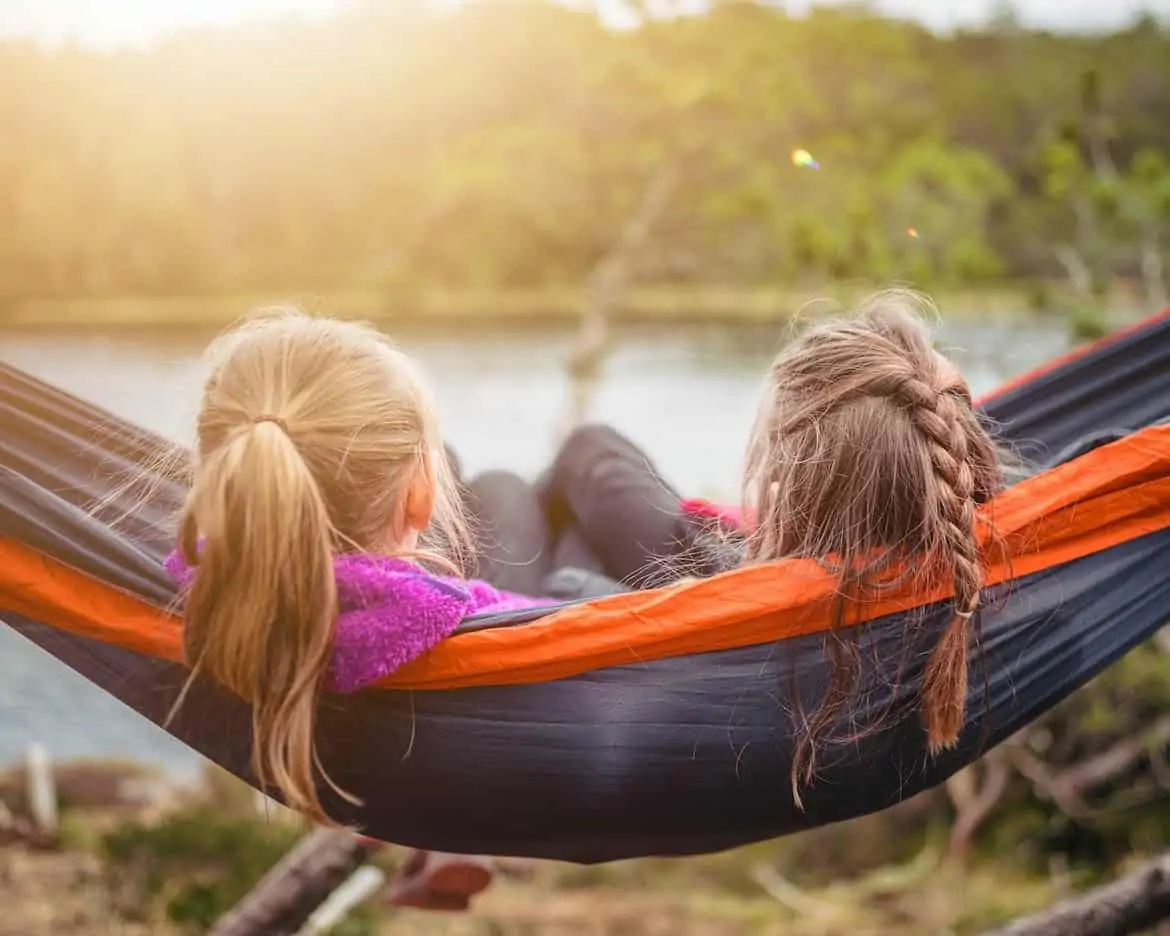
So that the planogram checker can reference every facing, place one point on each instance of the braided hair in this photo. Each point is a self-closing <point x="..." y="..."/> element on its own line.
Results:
<point x="867" y="455"/>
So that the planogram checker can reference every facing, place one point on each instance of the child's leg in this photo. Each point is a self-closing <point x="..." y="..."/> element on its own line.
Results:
<point x="572" y="552"/>
<point x="513" y="540"/>
<point x="605" y="489"/>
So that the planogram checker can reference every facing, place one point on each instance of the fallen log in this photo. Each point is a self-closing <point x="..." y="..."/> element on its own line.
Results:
<point x="1131" y="904"/>
<point x="284" y="900"/>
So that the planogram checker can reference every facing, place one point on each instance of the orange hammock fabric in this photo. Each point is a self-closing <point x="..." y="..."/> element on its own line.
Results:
<point x="1108" y="497"/>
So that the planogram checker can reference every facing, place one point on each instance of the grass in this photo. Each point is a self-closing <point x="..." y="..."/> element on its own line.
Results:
<point x="174" y="872"/>
<point x="168" y="883"/>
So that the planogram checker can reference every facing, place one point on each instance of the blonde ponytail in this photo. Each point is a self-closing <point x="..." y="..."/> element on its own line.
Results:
<point x="310" y="433"/>
<point x="260" y="611"/>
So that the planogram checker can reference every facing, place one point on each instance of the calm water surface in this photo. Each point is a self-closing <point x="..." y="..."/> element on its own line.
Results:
<point x="686" y="395"/>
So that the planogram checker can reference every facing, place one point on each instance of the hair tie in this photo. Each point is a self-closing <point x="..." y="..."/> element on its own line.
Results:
<point x="275" y="420"/>
<point x="965" y="615"/>
<point x="960" y="390"/>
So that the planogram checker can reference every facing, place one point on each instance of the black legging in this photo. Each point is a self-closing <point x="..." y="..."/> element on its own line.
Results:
<point x="602" y="507"/>
<point x="607" y="502"/>
<point x="513" y="540"/>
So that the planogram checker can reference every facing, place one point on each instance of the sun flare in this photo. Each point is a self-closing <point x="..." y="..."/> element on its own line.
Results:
<point x="137" y="22"/>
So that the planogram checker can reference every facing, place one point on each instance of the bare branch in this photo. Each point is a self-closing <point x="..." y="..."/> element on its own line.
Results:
<point x="831" y="900"/>
<point x="1067" y="787"/>
<point x="298" y="884"/>
<point x="788" y="894"/>
<point x="974" y="804"/>
<point x="607" y="285"/>
<point x="1153" y="268"/>
<point x="1047" y="785"/>
<point x="1075" y="268"/>
<point x="1103" y="165"/>
<point x="1129" y="905"/>
<point x="610" y="277"/>
<point x="1114" y="762"/>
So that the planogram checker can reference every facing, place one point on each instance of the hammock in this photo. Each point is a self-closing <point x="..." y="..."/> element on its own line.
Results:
<point x="650" y="723"/>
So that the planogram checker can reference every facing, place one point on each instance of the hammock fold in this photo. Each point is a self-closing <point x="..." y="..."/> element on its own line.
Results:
<point x="649" y="723"/>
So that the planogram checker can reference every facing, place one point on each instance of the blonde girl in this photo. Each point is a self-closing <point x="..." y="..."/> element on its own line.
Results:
<point x="318" y="467"/>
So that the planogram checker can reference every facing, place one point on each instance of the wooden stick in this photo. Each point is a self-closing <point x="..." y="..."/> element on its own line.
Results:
<point x="606" y="288"/>
<point x="360" y="887"/>
<point x="1068" y="786"/>
<point x="974" y="802"/>
<point x="1129" y="905"/>
<point x="282" y="903"/>
<point x="42" y="789"/>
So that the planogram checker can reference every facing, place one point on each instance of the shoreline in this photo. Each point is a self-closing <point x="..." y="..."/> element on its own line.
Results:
<point x="650" y="305"/>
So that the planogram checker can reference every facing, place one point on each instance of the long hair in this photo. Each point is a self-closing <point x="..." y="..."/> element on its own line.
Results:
<point x="867" y="455"/>
<point x="308" y="433"/>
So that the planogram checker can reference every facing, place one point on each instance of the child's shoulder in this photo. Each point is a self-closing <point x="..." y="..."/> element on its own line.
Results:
<point x="364" y="580"/>
<point x="392" y="611"/>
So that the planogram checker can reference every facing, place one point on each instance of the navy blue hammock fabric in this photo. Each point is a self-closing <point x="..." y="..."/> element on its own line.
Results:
<point x="678" y="754"/>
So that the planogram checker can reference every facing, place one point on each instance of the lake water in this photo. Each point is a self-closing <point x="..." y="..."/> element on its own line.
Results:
<point x="687" y="395"/>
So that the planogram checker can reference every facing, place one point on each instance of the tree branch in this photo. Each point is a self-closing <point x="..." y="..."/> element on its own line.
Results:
<point x="1047" y="785"/>
<point x="608" y="282"/>
<point x="1115" y="761"/>
<point x="973" y="804"/>
<point x="1075" y="268"/>
<point x="1067" y="787"/>
<point x="298" y="884"/>
<point x="1129" y="905"/>
<point x="1153" y="269"/>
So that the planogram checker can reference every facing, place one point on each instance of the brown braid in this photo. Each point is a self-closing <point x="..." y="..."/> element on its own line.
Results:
<point x="944" y="687"/>
<point x="868" y="456"/>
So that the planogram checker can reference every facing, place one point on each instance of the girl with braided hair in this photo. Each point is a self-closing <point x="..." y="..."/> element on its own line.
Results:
<point x="868" y="456"/>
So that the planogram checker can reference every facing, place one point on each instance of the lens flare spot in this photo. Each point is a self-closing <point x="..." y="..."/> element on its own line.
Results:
<point x="803" y="159"/>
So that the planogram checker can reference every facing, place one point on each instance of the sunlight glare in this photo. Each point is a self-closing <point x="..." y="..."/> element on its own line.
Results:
<point x="139" y="22"/>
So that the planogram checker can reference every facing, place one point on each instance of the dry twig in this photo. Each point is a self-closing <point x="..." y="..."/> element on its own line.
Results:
<point x="286" y="898"/>
<point x="974" y="804"/>
<point x="1131" y="904"/>
<point x="1068" y="787"/>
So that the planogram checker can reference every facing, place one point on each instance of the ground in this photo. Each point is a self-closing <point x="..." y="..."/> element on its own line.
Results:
<point x="137" y="858"/>
<point x="70" y="893"/>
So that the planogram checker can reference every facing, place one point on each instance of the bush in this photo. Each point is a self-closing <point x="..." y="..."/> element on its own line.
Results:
<point x="194" y="866"/>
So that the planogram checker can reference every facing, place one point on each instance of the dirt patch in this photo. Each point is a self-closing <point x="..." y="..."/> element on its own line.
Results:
<point x="59" y="894"/>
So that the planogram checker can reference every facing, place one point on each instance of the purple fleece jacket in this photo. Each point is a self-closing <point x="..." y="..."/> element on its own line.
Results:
<point x="392" y="611"/>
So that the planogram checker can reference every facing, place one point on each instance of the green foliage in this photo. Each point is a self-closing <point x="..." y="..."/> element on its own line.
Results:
<point x="195" y="865"/>
<point x="504" y="145"/>
<point x="1065" y="170"/>
<point x="1122" y="814"/>
<point x="1087" y="322"/>
<point x="1116" y="218"/>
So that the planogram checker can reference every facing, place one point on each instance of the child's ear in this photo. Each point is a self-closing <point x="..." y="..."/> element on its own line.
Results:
<point x="420" y="496"/>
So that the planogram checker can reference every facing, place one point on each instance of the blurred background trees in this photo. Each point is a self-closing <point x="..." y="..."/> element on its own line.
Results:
<point x="504" y="144"/>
